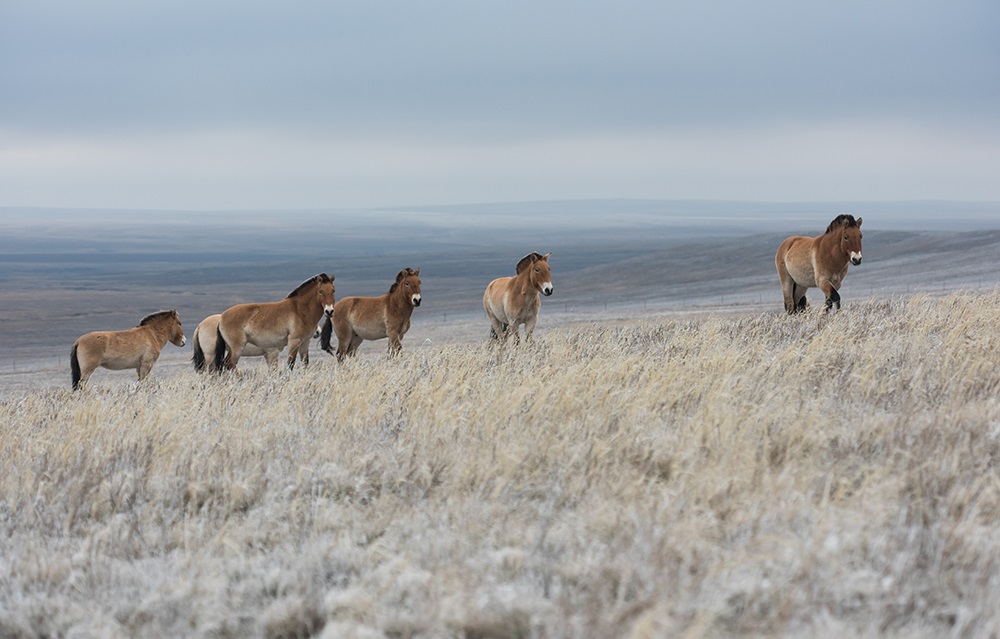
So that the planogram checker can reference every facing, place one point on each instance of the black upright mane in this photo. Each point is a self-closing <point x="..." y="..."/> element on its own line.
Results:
<point x="406" y="272"/>
<point x="842" y="221"/>
<point x="527" y="261"/>
<point x="152" y="317"/>
<point x="322" y="278"/>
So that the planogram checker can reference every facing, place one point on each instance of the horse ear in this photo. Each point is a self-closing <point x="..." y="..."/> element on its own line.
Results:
<point x="400" y="276"/>
<point x="859" y="222"/>
<point x="417" y="272"/>
<point x="545" y="257"/>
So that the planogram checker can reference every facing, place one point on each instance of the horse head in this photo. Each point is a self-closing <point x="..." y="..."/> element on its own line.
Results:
<point x="175" y="333"/>
<point x="850" y="242"/>
<point x="539" y="273"/>
<point x="410" y="281"/>
<point x="325" y="292"/>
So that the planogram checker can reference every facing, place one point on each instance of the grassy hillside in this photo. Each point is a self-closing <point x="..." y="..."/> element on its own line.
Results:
<point x="766" y="475"/>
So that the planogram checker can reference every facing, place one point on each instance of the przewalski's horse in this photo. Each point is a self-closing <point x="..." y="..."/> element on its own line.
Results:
<point x="136" y="348"/>
<point x="809" y="262"/>
<point x="271" y="326"/>
<point x="356" y="319"/>
<point x="205" y="335"/>
<point x="512" y="301"/>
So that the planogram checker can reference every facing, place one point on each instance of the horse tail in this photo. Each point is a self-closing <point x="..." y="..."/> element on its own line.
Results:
<point x="199" y="354"/>
<point x="74" y="367"/>
<point x="325" y="336"/>
<point x="220" y="350"/>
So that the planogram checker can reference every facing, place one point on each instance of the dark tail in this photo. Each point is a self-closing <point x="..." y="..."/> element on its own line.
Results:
<point x="325" y="335"/>
<point x="220" y="352"/>
<point x="74" y="367"/>
<point x="199" y="355"/>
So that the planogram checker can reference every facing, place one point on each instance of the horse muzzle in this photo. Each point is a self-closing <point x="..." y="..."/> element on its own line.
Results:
<point x="328" y="311"/>
<point x="855" y="258"/>
<point x="416" y="300"/>
<point x="548" y="290"/>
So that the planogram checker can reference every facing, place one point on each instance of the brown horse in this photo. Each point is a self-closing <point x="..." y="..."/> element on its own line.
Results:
<point x="512" y="301"/>
<point x="137" y="348"/>
<point x="207" y="332"/>
<point x="270" y="326"/>
<point x="809" y="262"/>
<point x="356" y="319"/>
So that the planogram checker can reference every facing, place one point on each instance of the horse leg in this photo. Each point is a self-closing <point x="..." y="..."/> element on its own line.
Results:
<point x="271" y="357"/>
<point x="395" y="344"/>
<point x="799" y="301"/>
<point x="145" y="366"/>
<point x="497" y="328"/>
<point x="293" y="351"/>
<point x="832" y="296"/>
<point x="227" y="353"/>
<point x="355" y="343"/>
<point x="789" y="291"/>
<point x="787" y="283"/>
<point x="529" y="327"/>
<point x="304" y="351"/>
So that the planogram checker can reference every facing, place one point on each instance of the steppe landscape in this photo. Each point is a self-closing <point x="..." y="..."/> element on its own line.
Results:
<point x="672" y="455"/>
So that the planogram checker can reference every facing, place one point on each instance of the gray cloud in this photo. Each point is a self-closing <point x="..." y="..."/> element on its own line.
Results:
<point x="475" y="75"/>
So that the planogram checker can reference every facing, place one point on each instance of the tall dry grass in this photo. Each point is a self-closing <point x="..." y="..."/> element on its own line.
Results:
<point x="767" y="475"/>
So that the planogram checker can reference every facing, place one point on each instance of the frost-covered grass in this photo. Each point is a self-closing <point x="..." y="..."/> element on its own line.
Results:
<point x="766" y="475"/>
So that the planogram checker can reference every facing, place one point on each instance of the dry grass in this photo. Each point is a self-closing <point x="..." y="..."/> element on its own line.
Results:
<point x="767" y="475"/>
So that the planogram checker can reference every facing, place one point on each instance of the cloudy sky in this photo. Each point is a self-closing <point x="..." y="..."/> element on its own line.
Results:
<point x="221" y="105"/>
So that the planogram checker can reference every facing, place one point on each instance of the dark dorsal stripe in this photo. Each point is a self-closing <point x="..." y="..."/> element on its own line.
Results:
<point x="842" y="221"/>
<point x="157" y="316"/>
<point x="406" y="272"/>
<point x="322" y="278"/>
<point x="527" y="261"/>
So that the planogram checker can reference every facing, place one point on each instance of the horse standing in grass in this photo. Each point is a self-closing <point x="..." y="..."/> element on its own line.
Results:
<point x="356" y="319"/>
<point x="810" y="262"/>
<point x="512" y="301"/>
<point x="137" y="348"/>
<point x="207" y="332"/>
<point x="270" y="326"/>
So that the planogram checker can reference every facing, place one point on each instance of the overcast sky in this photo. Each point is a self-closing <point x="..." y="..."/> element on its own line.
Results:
<point x="220" y="105"/>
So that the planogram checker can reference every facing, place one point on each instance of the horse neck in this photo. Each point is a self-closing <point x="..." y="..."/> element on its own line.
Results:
<point x="830" y="243"/>
<point x="396" y="300"/>
<point x="307" y="307"/>
<point x="523" y="284"/>
<point x="162" y="332"/>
